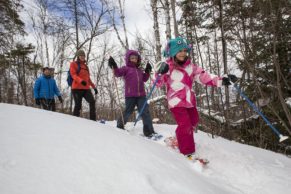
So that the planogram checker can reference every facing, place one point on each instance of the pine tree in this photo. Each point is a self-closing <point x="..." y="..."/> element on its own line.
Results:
<point x="10" y="23"/>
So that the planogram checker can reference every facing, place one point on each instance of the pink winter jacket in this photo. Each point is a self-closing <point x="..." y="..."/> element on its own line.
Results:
<point x="179" y="81"/>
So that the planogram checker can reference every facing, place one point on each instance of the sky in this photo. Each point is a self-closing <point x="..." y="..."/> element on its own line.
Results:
<point x="138" y="16"/>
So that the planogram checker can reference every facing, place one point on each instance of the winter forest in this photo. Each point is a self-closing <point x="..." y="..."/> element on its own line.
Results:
<point x="248" y="38"/>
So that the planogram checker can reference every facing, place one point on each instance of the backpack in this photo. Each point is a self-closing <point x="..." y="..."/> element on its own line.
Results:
<point x="69" y="76"/>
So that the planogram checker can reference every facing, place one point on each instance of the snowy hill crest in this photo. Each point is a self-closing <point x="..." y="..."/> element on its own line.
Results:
<point x="46" y="152"/>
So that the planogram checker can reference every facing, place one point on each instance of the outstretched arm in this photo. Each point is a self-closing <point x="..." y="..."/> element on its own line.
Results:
<point x="162" y="69"/>
<point x="145" y="77"/>
<point x="118" y="72"/>
<point x="206" y="78"/>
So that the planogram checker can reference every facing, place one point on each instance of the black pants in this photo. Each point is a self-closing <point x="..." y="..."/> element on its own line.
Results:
<point x="130" y="103"/>
<point x="78" y="95"/>
<point x="48" y="104"/>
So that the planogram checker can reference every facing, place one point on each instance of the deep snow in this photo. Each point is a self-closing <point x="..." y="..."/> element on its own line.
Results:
<point x="45" y="152"/>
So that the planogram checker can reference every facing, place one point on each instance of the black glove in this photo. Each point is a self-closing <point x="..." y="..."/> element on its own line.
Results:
<point x="83" y="83"/>
<point x="164" y="68"/>
<point x="37" y="101"/>
<point x="112" y="63"/>
<point x="232" y="78"/>
<point x="96" y="91"/>
<point x="148" y="68"/>
<point x="226" y="81"/>
<point x="60" y="99"/>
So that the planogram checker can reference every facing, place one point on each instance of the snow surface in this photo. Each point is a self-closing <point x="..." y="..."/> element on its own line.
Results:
<point x="48" y="153"/>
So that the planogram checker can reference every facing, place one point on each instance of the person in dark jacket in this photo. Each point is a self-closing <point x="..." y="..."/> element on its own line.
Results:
<point x="45" y="89"/>
<point x="135" y="95"/>
<point x="81" y="85"/>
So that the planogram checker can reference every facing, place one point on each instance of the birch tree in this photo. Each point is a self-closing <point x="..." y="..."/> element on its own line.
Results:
<point x="158" y="46"/>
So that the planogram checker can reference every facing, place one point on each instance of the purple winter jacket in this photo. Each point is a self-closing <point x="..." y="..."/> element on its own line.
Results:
<point x="133" y="76"/>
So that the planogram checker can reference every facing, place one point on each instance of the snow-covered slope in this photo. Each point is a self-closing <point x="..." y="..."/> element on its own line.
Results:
<point x="45" y="152"/>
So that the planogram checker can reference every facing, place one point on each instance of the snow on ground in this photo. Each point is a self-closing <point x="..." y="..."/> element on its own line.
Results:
<point x="49" y="153"/>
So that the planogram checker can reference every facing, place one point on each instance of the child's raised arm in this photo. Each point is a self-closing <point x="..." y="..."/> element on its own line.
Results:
<point x="205" y="78"/>
<point x="118" y="72"/>
<point x="161" y="69"/>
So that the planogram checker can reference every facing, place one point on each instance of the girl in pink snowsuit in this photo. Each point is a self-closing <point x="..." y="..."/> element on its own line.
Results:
<point x="181" y="98"/>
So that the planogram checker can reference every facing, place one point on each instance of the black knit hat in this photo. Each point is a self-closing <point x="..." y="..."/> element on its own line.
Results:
<point x="45" y="68"/>
<point x="80" y="53"/>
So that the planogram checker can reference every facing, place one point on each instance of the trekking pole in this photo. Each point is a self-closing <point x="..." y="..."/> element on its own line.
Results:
<point x="281" y="137"/>
<point x="118" y="99"/>
<point x="146" y="101"/>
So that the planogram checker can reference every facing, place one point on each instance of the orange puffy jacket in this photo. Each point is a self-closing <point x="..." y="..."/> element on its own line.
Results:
<point x="83" y="75"/>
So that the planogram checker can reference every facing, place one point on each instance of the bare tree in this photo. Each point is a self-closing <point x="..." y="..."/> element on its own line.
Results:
<point x="166" y="6"/>
<point x="112" y="11"/>
<point x="41" y="24"/>
<point x="173" y="6"/>
<point x="158" y="46"/>
<point x="122" y="17"/>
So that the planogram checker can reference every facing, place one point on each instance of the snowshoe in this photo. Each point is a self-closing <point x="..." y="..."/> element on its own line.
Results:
<point x="171" y="142"/>
<point x="195" y="158"/>
<point x="154" y="136"/>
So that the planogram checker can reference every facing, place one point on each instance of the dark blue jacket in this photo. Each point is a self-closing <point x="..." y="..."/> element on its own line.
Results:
<point x="45" y="87"/>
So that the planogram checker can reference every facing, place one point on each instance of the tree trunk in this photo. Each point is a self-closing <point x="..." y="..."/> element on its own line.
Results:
<point x="24" y="81"/>
<point x="1" y="99"/>
<point x="122" y="16"/>
<point x="173" y="6"/>
<point x="166" y="7"/>
<point x="278" y="82"/>
<point x="224" y="50"/>
<point x="111" y="14"/>
<point x="76" y="23"/>
<point x="156" y="30"/>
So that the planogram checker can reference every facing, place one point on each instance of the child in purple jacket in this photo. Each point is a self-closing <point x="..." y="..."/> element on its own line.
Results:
<point x="135" y="95"/>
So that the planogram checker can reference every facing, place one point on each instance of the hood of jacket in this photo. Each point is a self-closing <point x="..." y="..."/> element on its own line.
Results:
<point x="130" y="64"/>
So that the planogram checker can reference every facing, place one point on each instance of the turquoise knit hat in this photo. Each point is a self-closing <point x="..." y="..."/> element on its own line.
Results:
<point x="175" y="45"/>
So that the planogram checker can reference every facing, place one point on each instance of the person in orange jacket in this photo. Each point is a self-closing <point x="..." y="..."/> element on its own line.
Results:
<point x="81" y="85"/>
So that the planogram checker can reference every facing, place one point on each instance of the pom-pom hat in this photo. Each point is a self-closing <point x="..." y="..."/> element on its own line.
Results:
<point x="175" y="45"/>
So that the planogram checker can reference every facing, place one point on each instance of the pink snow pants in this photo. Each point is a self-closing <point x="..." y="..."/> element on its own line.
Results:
<point x="186" y="119"/>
